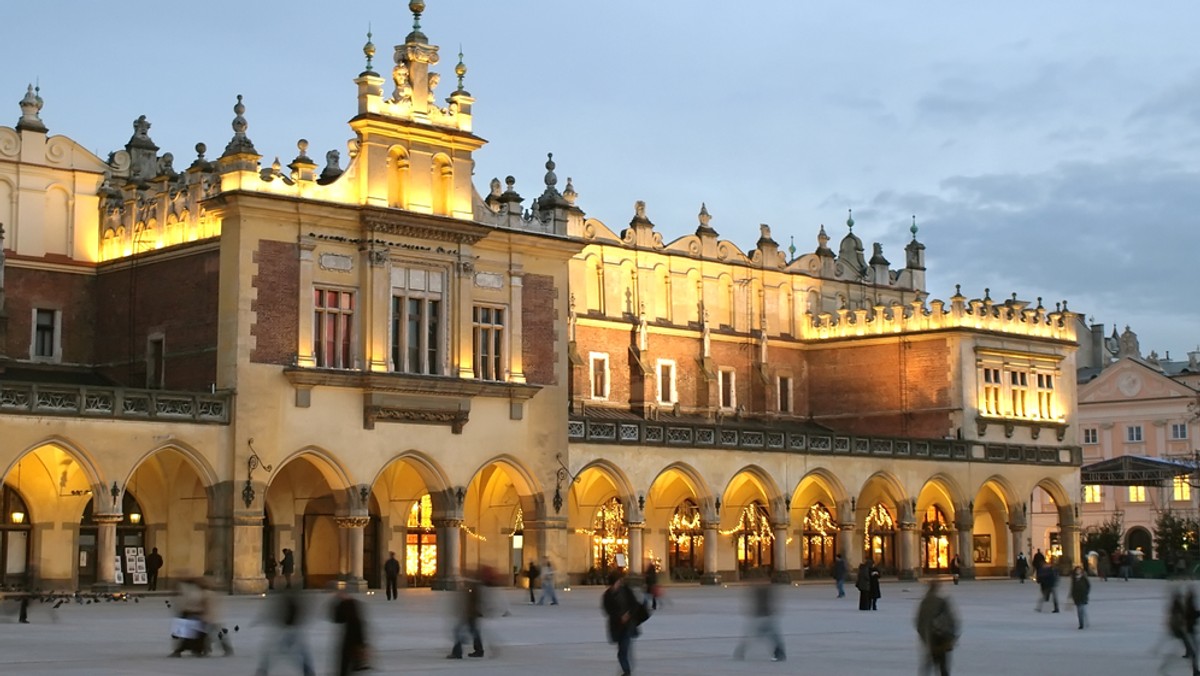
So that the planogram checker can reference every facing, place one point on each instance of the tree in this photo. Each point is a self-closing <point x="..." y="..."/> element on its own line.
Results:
<point x="1103" y="537"/>
<point x="1175" y="537"/>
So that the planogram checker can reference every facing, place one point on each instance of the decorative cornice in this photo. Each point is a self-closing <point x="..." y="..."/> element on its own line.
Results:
<point x="404" y="383"/>
<point x="432" y="228"/>
<point x="1010" y="425"/>
<point x="455" y="418"/>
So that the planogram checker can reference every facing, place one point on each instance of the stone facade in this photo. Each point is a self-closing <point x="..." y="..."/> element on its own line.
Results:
<point x="226" y="360"/>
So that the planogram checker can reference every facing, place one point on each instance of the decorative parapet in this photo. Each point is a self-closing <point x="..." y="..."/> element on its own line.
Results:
<point x="689" y="435"/>
<point x="1011" y="317"/>
<point x="114" y="403"/>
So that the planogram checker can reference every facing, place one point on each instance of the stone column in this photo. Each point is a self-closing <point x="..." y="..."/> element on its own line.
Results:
<point x="449" y="544"/>
<point x="848" y="545"/>
<point x="779" y="572"/>
<point x="106" y="551"/>
<point x="636" y="550"/>
<point x="906" y="559"/>
<point x="353" y="527"/>
<point x="1070" y="544"/>
<point x="248" y="574"/>
<point x="1017" y="530"/>
<point x="965" y="545"/>
<point x="710" y="576"/>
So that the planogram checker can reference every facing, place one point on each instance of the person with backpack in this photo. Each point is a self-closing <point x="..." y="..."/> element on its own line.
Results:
<point x="938" y="629"/>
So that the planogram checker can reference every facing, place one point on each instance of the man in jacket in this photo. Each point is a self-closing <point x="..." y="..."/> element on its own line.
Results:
<point x="839" y="574"/>
<point x="621" y="607"/>
<point x="937" y="627"/>
<point x="1080" y="587"/>
<point x="391" y="573"/>
<point x="1047" y="581"/>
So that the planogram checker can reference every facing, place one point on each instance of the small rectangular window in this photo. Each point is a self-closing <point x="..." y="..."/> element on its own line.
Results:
<point x="1133" y="433"/>
<point x="725" y="387"/>
<point x="599" y="376"/>
<point x="1091" y="493"/>
<point x="489" y="342"/>
<point x="1091" y="435"/>
<point x="1182" y="490"/>
<point x="1137" y="493"/>
<point x="666" y="382"/>
<point x="1179" y="431"/>
<point x="155" y="361"/>
<point x="785" y="394"/>
<point x="45" y="333"/>
<point x="333" y="324"/>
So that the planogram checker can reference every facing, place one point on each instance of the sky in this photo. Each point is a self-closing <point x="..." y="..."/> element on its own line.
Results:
<point x="1046" y="149"/>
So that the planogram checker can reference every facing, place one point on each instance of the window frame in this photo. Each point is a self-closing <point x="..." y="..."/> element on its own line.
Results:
<point x="1091" y="436"/>
<point x="349" y="360"/>
<point x="1179" y="431"/>
<point x="55" y="337"/>
<point x="496" y="333"/>
<point x="432" y="361"/>
<point x="1132" y="431"/>
<point x="1181" y="490"/>
<point x="673" y="391"/>
<point x="727" y="388"/>
<point x="156" y="362"/>
<point x="780" y="389"/>
<point x="1136" y="494"/>
<point x="593" y="359"/>
<point x="1092" y="494"/>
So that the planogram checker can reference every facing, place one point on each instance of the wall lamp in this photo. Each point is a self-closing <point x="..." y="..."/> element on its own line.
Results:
<point x="252" y="463"/>
<point x="560" y="475"/>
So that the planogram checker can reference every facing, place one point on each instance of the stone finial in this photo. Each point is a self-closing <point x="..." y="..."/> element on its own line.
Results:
<point x="551" y="179"/>
<point x="791" y="246"/>
<point x="240" y="143"/>
<point x="987" y="294"/>
<point x="569" y="193"/>
<point x="416" y="7"/>
<point x="704" y="217"/>
<point x="764" y="235"/>
<point x="877" y="255"/>
<point x="850" y="219"/>
<point x="460" y="70"/>
<point x="913" y="229"/>
<point x="369" y="51"/>
<point x="302" y="146"/>
<point x="31" y="105"/>
<point x="823" y="243"/>
<point x="200" y="163"/>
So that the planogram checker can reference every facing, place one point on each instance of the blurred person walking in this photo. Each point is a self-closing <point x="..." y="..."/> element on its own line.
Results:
<point x="154" y="561"/>
<point x="624" y="613"/>
<point x="548" y="584"/>
<point x="1047" y="586"/>
<point x="955" y="568"/>
<point x="288" y="563"/>
<point x="352" y="653"/>
<point x="532" y="573"/>
<point x="938" y="629"/>
<point x="470" y="609"/>
<point x="761" y="621"/>
<point x="1022" y="567"/>
<point x="286" y="616"/>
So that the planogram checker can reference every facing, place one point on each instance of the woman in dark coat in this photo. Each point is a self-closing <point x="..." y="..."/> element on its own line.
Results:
<point x="875" y="595"/>
<point x="347" y="613"/>
<point x="623" y="611"/>
<point x="955" y="568"/>
<point x="863" y="584"/>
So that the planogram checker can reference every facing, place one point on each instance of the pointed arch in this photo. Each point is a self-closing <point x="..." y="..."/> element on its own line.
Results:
<point x="690" y="475"/>
<point x="428" y="469"/>
<point x="203" y="469"/>
<point x="323" y="461"/>
<point x="87" y="462"/>
<point x="615" y="474"/>
<point x="525" y="482"/>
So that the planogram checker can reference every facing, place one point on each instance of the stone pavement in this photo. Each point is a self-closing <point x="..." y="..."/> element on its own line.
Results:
<point x="694" y="634"/>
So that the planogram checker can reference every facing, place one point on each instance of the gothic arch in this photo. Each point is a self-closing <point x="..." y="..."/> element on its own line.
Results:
<point x="325" y="463"/>
<point x="199" y="464"/>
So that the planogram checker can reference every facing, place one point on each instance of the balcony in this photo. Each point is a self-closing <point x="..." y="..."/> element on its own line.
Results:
<point x="114" y="403"/>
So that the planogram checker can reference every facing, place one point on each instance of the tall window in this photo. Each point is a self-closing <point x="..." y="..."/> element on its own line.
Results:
<point x="420" y="552"/>
<point x="45" y="333"/>
<point x="599" y="375"/>
<point x="610" y="536"/>
<point x="935" y="539"/>
<point x="489" y="342"/>
<point x="1133" y="433"/>
<point x="754" y="539"/>
<point x="1181" y="489"/>
<point x="1091" y="435"/>
<point x="417" y="335"/>
<point x="819" y="538"/>
<point x="666" y="381"/>
<point x="1091" y="493"/>
<point x="1045" y="395"/>
<point x="1019" y="380"/>
<point x="333" y="323"/>
<point x="1179" y="431"/>
<point x="991" y="391"/>
<point x="155" y="361"/>
<point x="725" y="385"/>
<point x="1137" y="493"/>
<point x="880" y="536"/>
<point x="686" y="536"/>
<point x="785" y="394"/>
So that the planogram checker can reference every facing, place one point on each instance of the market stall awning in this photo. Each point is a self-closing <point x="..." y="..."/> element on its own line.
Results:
<point x="1134" y="470"/>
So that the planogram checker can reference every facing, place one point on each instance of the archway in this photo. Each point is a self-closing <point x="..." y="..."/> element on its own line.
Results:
<point x="171" y="487"/>
<point x="494" y="512"/>
<point x="815" y="517"/>
<point x="1049" y="511"/>
<point x="878" y="512"/>
<point x="819" y="544"/>
<point x="746" y="518"/>
<point x="406" y="498"/>
<point x="304" y="497"/>
<point x="599" y="520"/>
<point x="1139" y="539"/>
<point x="131" y="547"/>
<point x="45" y="489"/>
<point x="937" y="520"/>
<point x="992" y="546"/>
<point x="674" y="528"/>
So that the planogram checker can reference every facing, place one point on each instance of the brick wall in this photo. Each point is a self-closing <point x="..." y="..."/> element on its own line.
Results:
<point x="882" y="388"/>
<point x="175" y="297"/>
<point x="71" y="294"/>
<point x="277" y="306"/>
<point x="538" y="318"/>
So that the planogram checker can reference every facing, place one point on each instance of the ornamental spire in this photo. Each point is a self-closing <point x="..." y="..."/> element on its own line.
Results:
<point x="31" y="105"/>
<point x="369" y="51"/>
<point x="240" y="143"/>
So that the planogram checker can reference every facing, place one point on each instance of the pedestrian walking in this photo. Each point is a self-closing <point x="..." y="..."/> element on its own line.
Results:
<point x="23" y="609"/>
<point x="1039" y="560"/>
<point x="548" y="584"/>
<point x="839" y="574"/>
<point x="286" y="617"/>
<point x="653" y="590"/>
<point x="1022" y="567"/>
<point x="624" y="613"/>
<point x="352" y="653"/>
<point x="938" y="629"/>
<point x="533" y="572"/>
<point x="391" y="574"/>
<point x="1047" y="583"/>
<point x="1103" y="565"/>
<point x="1126" y="564"/>
<point x="1177" y="627"/>
<point x="470" y="609"/>
<point x="288" y="563"/>
<point x="1080" y="588"/>
<point x="955" y="568"/>
<point x="154" y="561"/>
<point x="761" y="621"/>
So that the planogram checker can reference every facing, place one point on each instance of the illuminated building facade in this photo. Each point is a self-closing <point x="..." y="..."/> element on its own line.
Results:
<point x="232" y="358"/>
<point x="1137" y="413"/>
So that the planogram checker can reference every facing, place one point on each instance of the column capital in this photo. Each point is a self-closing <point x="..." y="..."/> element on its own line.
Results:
<point x="638" y="525"/>
<point x="711" y="525"/>
<point x="446" y="522"/>
<point x="846" y="527"/>
<point x="907" y="526"/>
<point x="107" y="518"/>
<point x="247" y="519"/>
<point x="352" y="521"/>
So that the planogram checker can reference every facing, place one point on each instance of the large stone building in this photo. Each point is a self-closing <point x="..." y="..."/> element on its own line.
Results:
<point x="228" y="359"/>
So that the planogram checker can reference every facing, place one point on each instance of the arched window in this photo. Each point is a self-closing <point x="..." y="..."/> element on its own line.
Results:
<point x="686" y="537"/>
<point x="420" y="544"/>
<point x="880" y="534"/>
<point x="755" y="540"/>
<point x="610" y="537"/>
<point x="398" y="166"/>
<point x="443" y="185"/>
<point x="819" y="538"/>
<point x="935" y="540"/>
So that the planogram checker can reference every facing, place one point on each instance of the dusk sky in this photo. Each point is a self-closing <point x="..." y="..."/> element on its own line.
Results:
<point x="1047" y="149"/>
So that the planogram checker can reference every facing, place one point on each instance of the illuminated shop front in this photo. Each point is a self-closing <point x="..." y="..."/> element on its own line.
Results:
<point x="880" y="542"/>
<point x="610" y="537"/>
<point x="935" y="540"/>
<point x="755" y="541"/>
<point x="819" y="544"/>
<point x="420" y="563"/>
<point x="686" y="539"/>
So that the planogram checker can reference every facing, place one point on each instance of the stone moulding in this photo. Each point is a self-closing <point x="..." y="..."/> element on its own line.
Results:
<point x="114" y="402"/>
<point x="456" y="419"/>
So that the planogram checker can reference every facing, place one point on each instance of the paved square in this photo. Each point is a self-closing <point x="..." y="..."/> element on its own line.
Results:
<point x="694" y="634"/>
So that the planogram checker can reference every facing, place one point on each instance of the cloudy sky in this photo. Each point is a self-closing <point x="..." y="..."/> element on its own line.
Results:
<point x="1047" y="149"/>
